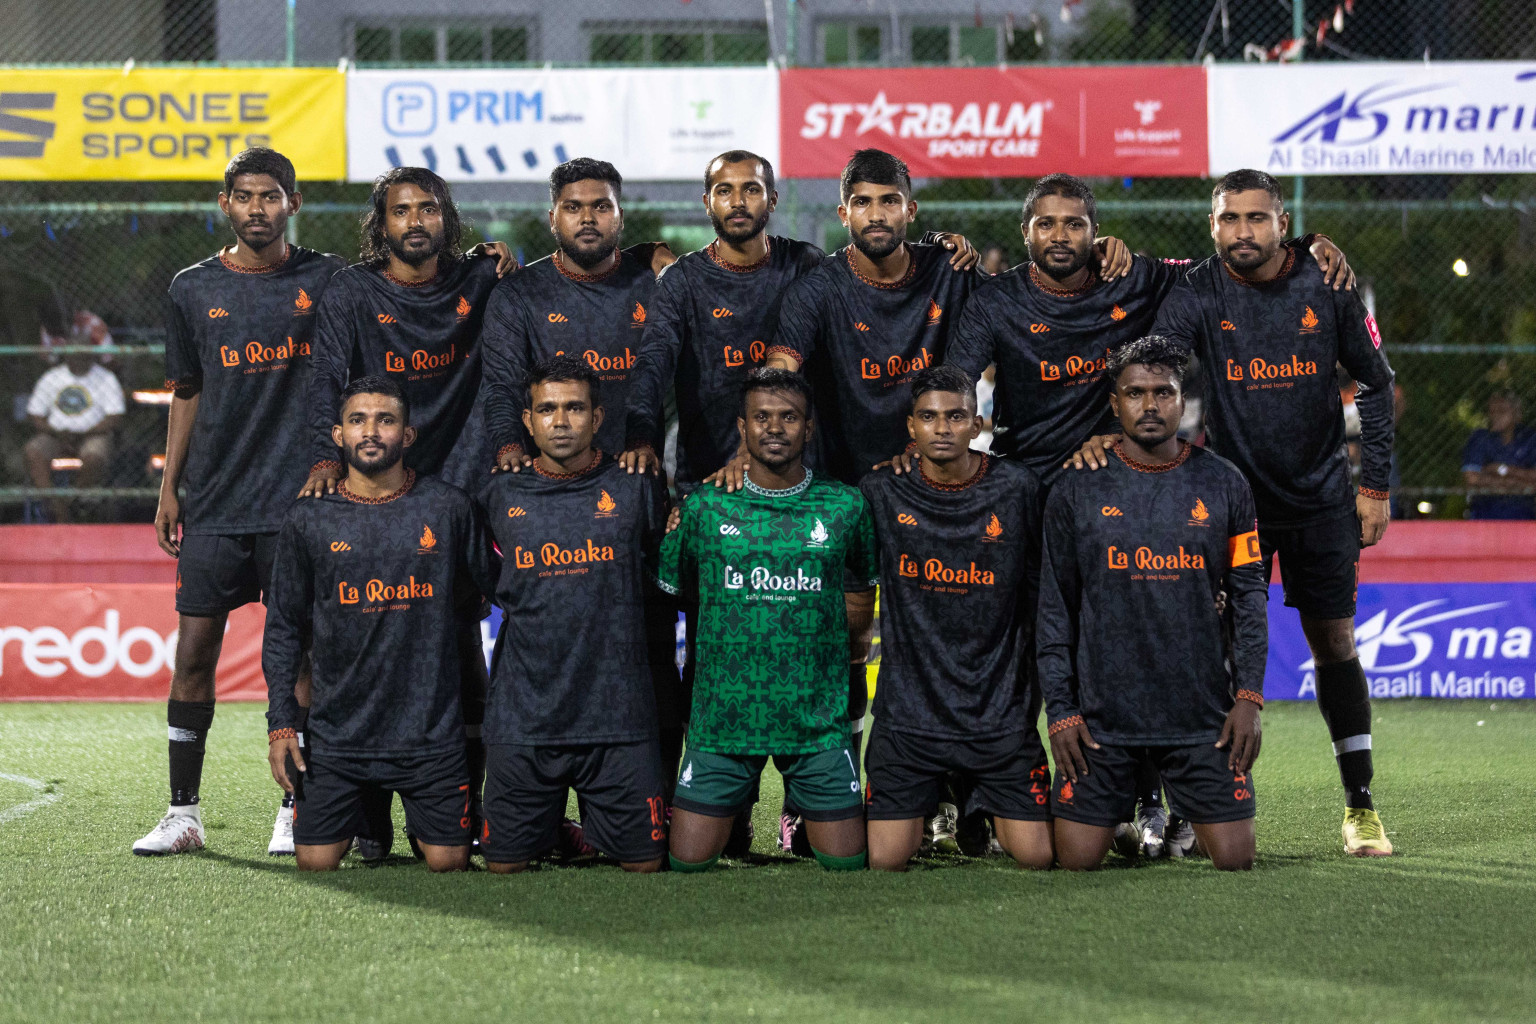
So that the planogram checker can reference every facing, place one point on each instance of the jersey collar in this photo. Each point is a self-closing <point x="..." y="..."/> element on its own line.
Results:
<point x="788" y="492"/>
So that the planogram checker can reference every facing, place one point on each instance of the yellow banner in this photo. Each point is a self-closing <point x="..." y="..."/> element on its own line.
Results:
<point x="168" y="124"/>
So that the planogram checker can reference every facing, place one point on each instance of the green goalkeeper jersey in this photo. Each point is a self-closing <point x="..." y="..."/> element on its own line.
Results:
<point x="770" y="569"/>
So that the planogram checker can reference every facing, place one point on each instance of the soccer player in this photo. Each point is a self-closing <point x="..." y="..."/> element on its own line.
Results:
<point x="1134" y="659"/>
<point x="768" y="563"/>
<point x="1268" y="332"/>
<point x="374" y="580"/>
<point x="959" y="565"/>
<point x="239" y="328"/>
<point x="1048" y="325"/>
<point x="579" y="536"/>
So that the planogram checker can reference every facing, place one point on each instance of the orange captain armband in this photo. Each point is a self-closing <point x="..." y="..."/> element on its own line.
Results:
<point x="1251" y="696"/>
<point x="280" y="734"/>
<point x="1243" y="549"/>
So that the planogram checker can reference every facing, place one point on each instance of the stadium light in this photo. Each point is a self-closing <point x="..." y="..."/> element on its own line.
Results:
<point x="1460" y="268"/>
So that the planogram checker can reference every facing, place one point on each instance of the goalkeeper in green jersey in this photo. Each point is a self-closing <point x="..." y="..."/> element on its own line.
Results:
<point x="770" y="564"/>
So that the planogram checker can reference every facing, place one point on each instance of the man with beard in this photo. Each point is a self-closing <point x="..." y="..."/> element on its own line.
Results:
<point x="238" y="336"/>
<point x="1269" y="331"/>
<point x="580" y="538"/>
<point x="959" y="561"/>
<point x="767" y="564"/>
<point x="411" y="311"/>
<point x="375" y="578"/>
<point x="1135" y="659"/>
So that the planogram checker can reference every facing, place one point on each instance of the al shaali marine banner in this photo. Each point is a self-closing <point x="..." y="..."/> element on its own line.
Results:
<point x="167" y="124"/>
<point x="653" y="124"/>
<point x="1369" y="118"/>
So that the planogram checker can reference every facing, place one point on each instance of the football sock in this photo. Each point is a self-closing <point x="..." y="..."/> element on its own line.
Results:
<point x="857" y="862"/>
<point x="1149" y="784"/>
<point x="188" y="722"/>
<point x="1343" y="696"/>
<point x="691" y="869"/>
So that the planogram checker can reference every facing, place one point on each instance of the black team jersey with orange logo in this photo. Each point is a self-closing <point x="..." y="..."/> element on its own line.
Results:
<point x="1049" y="346"/>
<point x="374" y="590"/>
<point x="246" y="338"/>
<point x="424" y="336"/>
<point x="550" y="308"/>
<point x="1128" y="635"/>
<point x="1272" y="402"/>
<point x="711" y="325"/>
<point x="572" y="664"/>
<point x="860" y="343"/>
<point x="959" y="565"/>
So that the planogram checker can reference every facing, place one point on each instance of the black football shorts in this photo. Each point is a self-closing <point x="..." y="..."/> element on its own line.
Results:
<point x="1005" y="776"/>
<point x="339" y="797"/>
<point x="1319" y="565"/>
<point x="1200" y="787"/>
<point x="217" y="573"/>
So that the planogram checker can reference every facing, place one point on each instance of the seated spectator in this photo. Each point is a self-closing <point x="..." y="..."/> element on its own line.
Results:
<point x="74" y="409"/>
<point x="1501" y="459"/>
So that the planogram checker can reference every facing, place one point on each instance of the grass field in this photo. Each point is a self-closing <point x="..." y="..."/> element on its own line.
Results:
<point x="1442" y="932"/>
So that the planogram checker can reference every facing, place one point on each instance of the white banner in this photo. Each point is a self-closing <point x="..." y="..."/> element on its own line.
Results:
<point x="652" y="124"/>
<point x="1367" y="118"/>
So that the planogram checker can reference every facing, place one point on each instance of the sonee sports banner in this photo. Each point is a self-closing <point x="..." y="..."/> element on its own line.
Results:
<point x="167" y="125"/>
<point x="1145" y="120"/>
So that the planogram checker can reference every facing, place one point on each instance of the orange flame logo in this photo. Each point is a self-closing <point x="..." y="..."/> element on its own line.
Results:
<point x="464" y="307"/>
<point x="606" y="504"/>
<point x="1117" y="313"/>
<point x="994" y="528"/>
<point x="303" y="301"/>
<point x="934" y="312"/>
<point x="428" y="541"/>
<point x="1066" y="790"/>
<point x="638" y="316"/>
<point x="1309" y="319"/>
<point x="1200" y="512"/>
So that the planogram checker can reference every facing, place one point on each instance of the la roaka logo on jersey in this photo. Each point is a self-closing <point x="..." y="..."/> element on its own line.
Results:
<point x="993" y="533"/>
<point x="551" y="555"/>
<point x="1260" y="369"/>
<point x="637" y="318"/>
<point x="263" y="357"/>
<point x="896" y="367"/>
<point x="1308" y="322"/>
<point x="1117" y="314"/>
<point x="600" y="363"/>
<point x="754" y="352"/>
<point x="420" y="360"/>
<point x="818" y="536"/>
<point x="935" y="571"/>
<point x="379" y="592"/>
<point x="463" y="309"/>
<point x="428" y="541"/>
<point x="605" y="506"/>
<point x="760" y="578"/>
<point x="303" y="305"/>
<point x="1199" y="515"/>
<point x="935" y="312"/>
<point x="1145" y="559"/>
<point x="1073" y="370"/>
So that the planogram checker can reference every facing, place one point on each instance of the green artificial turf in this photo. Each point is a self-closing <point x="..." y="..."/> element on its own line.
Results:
<point x="1442" y="932"/>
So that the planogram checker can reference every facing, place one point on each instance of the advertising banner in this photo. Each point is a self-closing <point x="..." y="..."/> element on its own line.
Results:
<point x="1146" y="120"/>
<point x="513" y="125"/>
<point x="1370" y="118"/>
<point x="80" y="641"/>
<point x="1420" y="640"/>
<point x="167" y="124"/>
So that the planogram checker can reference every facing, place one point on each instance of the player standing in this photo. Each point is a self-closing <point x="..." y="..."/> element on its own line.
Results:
<point x="579" y="536"/>
<point x="238" y="336"/>
<point x="1133" y="656"/>
<point x="374" y="579"/>
<point x="959" y="563"/>
<point x="1269" y="332"/>
<point x="768" y="563"/>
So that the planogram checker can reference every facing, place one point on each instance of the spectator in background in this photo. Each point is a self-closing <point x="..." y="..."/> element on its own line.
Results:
<point x="1501" y="459"/>
<point x="74" y="409"/>
<point x="86" y="328"/>
<point x="993" y="260"/>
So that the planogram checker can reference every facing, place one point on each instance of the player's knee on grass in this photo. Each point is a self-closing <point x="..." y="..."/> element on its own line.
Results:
<point x="1027" y="842"/>
<point x="445" y="858"/>
<point x="857" y="862"/>
<point x="1081" y="847"/>
<point x="642" y="867"/>
<point x="698" y="839"/>
<point x="320" y="858"/>
<point x="502" y="868"/>
<point x="892" y="843"/>
<point x="838" y="840"/>
<point x="1231" y="845"/>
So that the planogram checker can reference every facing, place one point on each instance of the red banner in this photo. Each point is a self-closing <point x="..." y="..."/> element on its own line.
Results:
<point x="85" y="641"/>
<point x="1142" y="121"/>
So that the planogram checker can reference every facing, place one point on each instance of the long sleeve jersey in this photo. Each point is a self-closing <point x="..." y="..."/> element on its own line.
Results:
<point x="1128" y="633"/>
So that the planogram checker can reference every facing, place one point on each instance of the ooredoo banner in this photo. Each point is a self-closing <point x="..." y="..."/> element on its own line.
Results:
<point x="1370" y="118"/>
<point x="80" y="641"/>
<point x="652" y="124"/>
<point x="1420" y="640"/>
<point x="167" y="124"/>
<point x="1003" y="122"/>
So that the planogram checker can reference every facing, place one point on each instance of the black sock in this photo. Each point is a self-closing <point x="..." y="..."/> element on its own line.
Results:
<point x="1343" y="696"/>
<point x="1149" y="784"/>
<point x="188" y="722"/>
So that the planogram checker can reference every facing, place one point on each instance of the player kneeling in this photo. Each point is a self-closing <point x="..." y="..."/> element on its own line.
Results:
<point x="1135" y="659"/>
<point x="769" y="564"/>
<point x="376" y="576"/>
<point x="579" y="536"/>
<point x="959" y="566"/>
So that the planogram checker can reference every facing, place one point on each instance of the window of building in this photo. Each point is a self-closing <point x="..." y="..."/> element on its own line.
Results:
<point x="678" y="43"/>
<point x="442" y="43"/>
<point x="958" y="42"/>
<point x="850" y="42"/>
